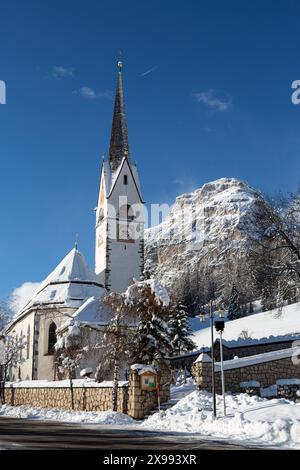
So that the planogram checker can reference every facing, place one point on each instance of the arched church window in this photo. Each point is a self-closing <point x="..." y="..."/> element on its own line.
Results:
<point x="52" y="339"/>
<point x="28" y="342"/>
<point x="125" y="179"/>
<point x="130" y="214"/>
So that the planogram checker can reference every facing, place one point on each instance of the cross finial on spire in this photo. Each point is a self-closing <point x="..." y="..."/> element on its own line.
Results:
<point x="120" y="61"/>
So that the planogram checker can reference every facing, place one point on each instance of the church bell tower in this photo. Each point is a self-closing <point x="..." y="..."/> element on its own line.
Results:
<point x="119" y="254"/>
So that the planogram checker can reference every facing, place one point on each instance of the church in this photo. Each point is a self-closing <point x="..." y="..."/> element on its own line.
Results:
<point x="72" y="292"/>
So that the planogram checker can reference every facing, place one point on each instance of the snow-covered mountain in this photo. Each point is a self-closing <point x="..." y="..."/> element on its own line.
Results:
<point x="207" y="225"/>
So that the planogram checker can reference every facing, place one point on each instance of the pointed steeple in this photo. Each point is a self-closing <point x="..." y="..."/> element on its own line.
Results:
<point x="119" y="147"/>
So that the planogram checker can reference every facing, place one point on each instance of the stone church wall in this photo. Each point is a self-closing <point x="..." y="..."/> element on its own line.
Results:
<point x="33" y="327"/>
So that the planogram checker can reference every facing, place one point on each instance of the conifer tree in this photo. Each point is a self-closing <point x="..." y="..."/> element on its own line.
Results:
<point x="234" y="309"/>
<point x="179" y="331"/>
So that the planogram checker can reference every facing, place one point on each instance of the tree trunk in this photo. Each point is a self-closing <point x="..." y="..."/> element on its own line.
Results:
<point x="72" y="390"/>
<point x="3" y="385"/>
<point x="115" y="386"/>
<point x="2" y="392"/>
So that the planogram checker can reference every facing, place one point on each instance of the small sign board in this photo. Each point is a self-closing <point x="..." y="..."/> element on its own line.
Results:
<point x="148" y="381"/>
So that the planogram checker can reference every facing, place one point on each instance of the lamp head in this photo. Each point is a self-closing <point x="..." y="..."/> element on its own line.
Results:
<point x="219" y="325"/>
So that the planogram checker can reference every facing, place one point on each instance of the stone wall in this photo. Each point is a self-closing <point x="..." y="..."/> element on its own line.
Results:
<point x="85" y="398"/>
<point x="187" y="360"/>
<point x="289" y="389"/>
<point x="266" y="372"/>
<point x="131" y="398"/>
<point x="251" y="349"/>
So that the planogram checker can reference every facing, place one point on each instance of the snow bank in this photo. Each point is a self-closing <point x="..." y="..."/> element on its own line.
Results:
<point x="51" y="414"/>
<point x="249" y="418"/>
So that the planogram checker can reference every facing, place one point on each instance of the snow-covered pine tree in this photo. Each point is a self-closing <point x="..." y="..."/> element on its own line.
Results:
<point x="152" y="340"/>
<point x="234" y="309"/>
<point x="180" y="331"/>
<point x="150" y="301"/>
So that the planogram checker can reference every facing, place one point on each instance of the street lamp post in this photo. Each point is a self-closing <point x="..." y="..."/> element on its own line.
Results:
<point x="213" y="387"/>
<point x="220" y="325"/>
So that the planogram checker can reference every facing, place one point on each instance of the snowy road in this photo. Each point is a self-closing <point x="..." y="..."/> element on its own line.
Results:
<point x="24" y="434"/>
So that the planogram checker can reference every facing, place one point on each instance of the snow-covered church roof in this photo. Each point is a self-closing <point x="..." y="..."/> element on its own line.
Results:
<point x="70" y="284"/>
<point x="92" y="312"/>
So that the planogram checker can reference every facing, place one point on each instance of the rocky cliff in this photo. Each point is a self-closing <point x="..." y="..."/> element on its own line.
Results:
<point x="207" y="227"/>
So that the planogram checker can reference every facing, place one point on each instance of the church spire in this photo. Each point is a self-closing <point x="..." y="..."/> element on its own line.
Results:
<point x="119" y="147"/>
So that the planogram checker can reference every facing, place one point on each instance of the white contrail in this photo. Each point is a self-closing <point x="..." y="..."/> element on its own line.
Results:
<point x="149" y="71"/>
<point x="2" y="92"/>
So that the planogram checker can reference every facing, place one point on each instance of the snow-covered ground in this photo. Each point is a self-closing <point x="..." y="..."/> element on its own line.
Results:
<point x="83" y="417"/>
<point x="269" y="325"/>
<point x="182" y="389"/>
<point x="252" y="419"/>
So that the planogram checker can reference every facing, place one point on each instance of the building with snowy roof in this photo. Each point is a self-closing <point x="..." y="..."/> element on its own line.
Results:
<point x="73" y="293"/>
<point x="58" y="298"/>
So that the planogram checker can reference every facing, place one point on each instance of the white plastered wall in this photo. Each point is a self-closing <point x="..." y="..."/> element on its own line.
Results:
<point x="123" y="258"/>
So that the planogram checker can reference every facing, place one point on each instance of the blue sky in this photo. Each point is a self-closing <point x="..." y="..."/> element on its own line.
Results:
<point x="216" y="102"/>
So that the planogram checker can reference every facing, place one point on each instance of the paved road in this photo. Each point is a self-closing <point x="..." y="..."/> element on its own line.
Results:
<point x="28" y="434"/>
